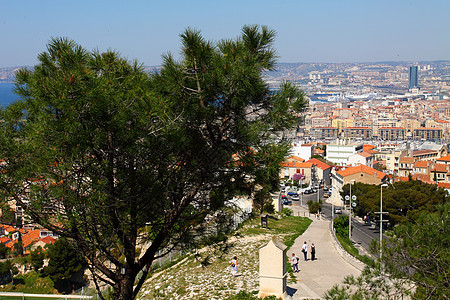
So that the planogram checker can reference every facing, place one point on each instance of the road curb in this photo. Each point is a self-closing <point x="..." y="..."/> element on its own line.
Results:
<point x="344" y="254"/>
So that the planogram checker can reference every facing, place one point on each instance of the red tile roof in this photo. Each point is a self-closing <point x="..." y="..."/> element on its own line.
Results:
<point x="408" y="160"/>
<point x="422" y="164"/>
<point x="440" y="168"/>
<point x="421" y="152"/>
<point x="30" y="237"/>
<point x="361" y="169"/>
<point x="368" y="147"/>
<point x="444" y="185"/>
<point x="445" y="158"/>
<point x="318" y="163"/>
<point x="48" y="240"/>
<point x="296" y="165"/>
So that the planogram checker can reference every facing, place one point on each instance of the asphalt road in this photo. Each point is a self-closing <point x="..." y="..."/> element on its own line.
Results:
<point x="362" y="234"/>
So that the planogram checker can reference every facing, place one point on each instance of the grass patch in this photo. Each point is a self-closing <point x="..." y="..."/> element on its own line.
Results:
<point x="32" y="283"/>
<point x="289" y="227"/>
<point x="348" y="246"/>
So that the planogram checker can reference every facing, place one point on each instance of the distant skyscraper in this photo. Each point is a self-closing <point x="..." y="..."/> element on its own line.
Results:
<point x="413" y="77"/>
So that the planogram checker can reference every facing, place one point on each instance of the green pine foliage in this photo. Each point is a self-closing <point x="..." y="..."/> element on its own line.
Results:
<point x="118" y="161"/>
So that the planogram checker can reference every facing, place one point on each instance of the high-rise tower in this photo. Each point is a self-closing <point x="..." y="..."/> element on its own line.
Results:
<point x="413" y="77"/>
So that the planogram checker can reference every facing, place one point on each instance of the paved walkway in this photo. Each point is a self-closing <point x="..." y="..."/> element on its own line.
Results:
<point x="330" y="268"/>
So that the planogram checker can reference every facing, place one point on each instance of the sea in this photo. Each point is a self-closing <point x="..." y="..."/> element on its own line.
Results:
<point x="7" y="95"/>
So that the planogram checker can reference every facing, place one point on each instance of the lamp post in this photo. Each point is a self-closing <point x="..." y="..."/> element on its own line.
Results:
<point x="381" y="224"/>
<point x="301" y="190"/>
<point x="350" y="212"/>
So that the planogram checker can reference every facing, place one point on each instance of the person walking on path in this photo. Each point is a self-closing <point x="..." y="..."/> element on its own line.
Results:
<point x="294" y="262"/>
<point x="305" y="250"/>
<point x="233" y="264"/>
<point x="313" y="252"/>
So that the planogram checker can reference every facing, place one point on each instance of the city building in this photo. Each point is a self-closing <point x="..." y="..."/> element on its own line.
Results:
<point x="323" y="171"/>
<point x="364" y="133"/>
<point x="339" y="153"/>
<point x="428" y="134"/>
<point x="325" y="133"/>
<point x="363" y="174"/>
<point x="413" y="77"/>
<point x="392" y="133"/>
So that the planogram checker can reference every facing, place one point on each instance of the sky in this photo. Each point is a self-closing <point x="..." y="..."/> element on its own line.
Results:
<point x="307" y="30"/>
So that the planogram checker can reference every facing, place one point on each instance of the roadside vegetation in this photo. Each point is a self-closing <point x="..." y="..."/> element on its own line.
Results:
<point x="416" y="256"/>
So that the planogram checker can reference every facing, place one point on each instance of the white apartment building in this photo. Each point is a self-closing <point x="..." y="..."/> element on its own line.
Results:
<point x="340" y="153"/>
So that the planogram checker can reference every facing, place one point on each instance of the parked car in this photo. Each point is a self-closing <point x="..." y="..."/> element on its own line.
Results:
<point x="308" y="191"/>
<point x="287" y="202"/>
<point x="292" y="193"/>
<point x="295" y="198"/>
<point x="326" y="195"/>
<point x="325" y="188"/>
<point x="338" y="211"/>
<point x="284" y="197"/>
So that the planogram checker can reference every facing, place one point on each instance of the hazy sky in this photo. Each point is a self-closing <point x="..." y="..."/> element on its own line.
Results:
<point x="307" y="31"/>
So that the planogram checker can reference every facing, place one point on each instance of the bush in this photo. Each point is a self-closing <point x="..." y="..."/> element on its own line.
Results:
<point x="286" y="212"/>
<point x="340" y="225"/>
<point x="37" y="258"/>
<point x="269" y="208"/>
<point x="314" y="207"/>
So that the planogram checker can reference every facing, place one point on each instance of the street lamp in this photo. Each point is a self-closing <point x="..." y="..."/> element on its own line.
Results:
<point x="350" y="213"/>
<point x="381" y="223"/>
<point x="301" y="190"/>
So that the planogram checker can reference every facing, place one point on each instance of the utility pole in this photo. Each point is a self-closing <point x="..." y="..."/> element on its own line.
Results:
<point x="350" y="211"/>
<point x="381" y="224"/>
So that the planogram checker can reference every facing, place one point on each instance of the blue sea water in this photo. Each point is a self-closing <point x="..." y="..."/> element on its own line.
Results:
<point x="7" y="95"/>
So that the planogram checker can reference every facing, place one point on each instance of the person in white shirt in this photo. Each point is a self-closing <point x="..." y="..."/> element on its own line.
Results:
<point x="305" y="250"/>
<point x="294" y="262"/>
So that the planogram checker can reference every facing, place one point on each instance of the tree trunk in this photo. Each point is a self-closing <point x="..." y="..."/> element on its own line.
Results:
<point x="123" y="290"/>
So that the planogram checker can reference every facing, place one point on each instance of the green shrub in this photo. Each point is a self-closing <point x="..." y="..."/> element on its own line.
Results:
<point x="286" y="212"/>
<point x="269" y="208"/>
<point x="340" y="225"/>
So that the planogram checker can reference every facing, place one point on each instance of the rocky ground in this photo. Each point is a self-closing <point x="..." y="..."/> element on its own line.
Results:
<point x="206" y="274"/>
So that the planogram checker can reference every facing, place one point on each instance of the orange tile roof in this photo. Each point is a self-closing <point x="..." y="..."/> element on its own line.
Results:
<point x="4" y="239"/>
<point x="295" y="158"/>
<point x="30" y="237"/>
<point x="372" y="151"/>
<point x="441" y="168"/>
<point x="420" y="152"/>
<point x="364" y="154"/>
<point x="422" y="164"/>
<point x="445" y="158"/>
<point x="408" y="160"/>
<point x="422" y="177"/>
<point x="363" y="169"/>
<point x="8" y="228"/>
<point x="319" y="164"/>
<point x="296" y="165"/>
<point x="48" y="240"/>
<point x="444" y="185"/>
<point x="368" y="147"/>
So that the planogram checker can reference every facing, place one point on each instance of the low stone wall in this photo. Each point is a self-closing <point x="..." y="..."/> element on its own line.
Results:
<point x="344" y="254"/>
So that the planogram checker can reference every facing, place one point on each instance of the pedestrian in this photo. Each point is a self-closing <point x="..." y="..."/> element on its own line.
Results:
<point x="294" y="262"/>
<point x="305" y="250"/>
<point x="313" y="252"/>
<point x="233" y="264"/>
